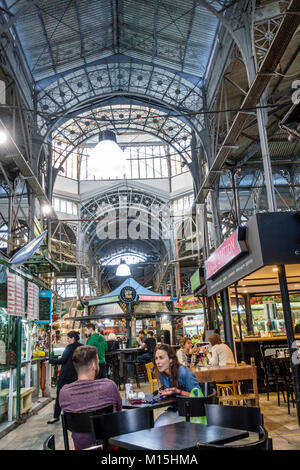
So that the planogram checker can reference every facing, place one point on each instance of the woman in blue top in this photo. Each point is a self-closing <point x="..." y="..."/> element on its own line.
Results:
<point x="176" y="380"/>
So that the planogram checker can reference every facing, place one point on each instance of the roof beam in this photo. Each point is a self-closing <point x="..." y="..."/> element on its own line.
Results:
<point x="188" y="41"/>
<point x="154" y="46"/>
<point x="279" y="44"/>
<point x="46" y="37"/>
<point x="5" y="27"/>
<point x="115" y="24"/>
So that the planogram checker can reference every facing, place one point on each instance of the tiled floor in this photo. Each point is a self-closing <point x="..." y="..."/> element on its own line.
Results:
<point x="283" y="428"/>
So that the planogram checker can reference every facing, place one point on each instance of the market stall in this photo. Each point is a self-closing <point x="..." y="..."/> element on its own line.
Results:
<point x="193" y="321"/>
<point x="259" y="265"/>
<point x="132" y="303"/>
<point x="24" y="341"/>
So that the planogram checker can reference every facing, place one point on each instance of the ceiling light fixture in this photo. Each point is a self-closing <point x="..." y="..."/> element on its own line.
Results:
<point x="3" y="137"/>
<point x="107" y="150"/>
<point x="46" y="209"/>
<point x="123" y="269"/>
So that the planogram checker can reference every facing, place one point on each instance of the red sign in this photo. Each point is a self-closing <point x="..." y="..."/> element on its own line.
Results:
<point x="230" y="249"/>
<point x="154" y="298"/>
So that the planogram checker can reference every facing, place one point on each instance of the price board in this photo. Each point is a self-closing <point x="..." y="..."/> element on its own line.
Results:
<point x="45" y="306"/>
<point x="32" y="301"/>
<point x="15" y="295"/>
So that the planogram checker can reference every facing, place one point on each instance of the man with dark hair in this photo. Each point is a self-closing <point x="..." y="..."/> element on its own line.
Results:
<point x="148" y="346"/>
<point x="87" y="393"/>
<point x="97" y="340"/>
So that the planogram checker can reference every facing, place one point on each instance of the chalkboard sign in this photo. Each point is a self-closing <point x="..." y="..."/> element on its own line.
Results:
<point x="45" y="306"/>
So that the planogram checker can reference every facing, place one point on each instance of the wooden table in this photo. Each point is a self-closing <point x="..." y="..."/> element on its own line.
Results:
<point x="177" y="436"/>
<point x="228" y="374"/>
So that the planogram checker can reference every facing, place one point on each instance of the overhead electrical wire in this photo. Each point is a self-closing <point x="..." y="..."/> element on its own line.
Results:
<point x="163" y="116"/>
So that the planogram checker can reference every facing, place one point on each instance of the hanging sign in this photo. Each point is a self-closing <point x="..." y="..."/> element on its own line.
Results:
<point x="15" y="295"/>
<point x="154" y="298"/>
<point x="128" y="294"/>
<point x="226" y="253"/>
<point x="45" y="306"/>
<point x="32" y="301"/>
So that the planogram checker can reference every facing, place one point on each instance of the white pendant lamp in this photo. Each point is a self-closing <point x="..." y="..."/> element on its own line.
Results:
<point x="123" y="269"/>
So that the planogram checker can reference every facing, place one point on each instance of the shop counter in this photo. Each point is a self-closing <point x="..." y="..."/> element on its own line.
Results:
<point x="264" y="339"/>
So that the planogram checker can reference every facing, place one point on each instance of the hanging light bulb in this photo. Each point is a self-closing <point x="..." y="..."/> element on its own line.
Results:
<point x="123" y="269"/>
<point x="107" y="150"/>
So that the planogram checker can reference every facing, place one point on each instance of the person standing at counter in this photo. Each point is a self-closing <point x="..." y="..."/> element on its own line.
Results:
<point x="112" y="343"/>
<point x="221" y="354"/>
<point x="68" y="373"/>
<point x="97" y="340"/>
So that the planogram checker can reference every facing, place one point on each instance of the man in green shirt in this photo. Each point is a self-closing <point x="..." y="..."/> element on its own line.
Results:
<point x="97" y="340"/>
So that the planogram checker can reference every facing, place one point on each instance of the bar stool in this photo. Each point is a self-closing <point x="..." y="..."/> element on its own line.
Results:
<point x="126" y="365"/>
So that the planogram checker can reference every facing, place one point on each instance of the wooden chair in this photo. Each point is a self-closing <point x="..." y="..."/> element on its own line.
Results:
<point x="122" y="422"/>
<point x="152" y="381"/>
<point x="229" y="389"/>
<point x="80" y="422"/>
<point x="49" y="443"/>
<point x="232" y="392"/>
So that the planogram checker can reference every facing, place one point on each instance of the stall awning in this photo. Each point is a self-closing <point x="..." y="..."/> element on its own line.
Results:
<point x="145" y="295"/>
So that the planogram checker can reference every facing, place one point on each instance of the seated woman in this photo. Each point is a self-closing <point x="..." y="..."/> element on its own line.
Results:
<point x="187" y="355"/>
<point x="175" y="380"/>
<point x="220" y="354"/>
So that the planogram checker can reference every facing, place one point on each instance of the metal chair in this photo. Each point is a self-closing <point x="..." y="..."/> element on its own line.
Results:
<point x="284" y="367"/>
<point x="247" y="418"/>
<point x="190" y="407"/>
<point x="261" y="444"/>
<point x="121" y="422"/>
<point x="49" y="443"/>
<point x="80" y="422"/>
<point x="272" y="377"/>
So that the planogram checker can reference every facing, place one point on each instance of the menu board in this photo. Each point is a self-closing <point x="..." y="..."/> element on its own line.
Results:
<point x="45" y="306"/>
<point x="15" y="295"/>
<point x="32" y="301"/>
<point x="3" y="286"/>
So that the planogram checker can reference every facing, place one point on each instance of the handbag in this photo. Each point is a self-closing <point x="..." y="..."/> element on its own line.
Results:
<point x="195" y="393"/>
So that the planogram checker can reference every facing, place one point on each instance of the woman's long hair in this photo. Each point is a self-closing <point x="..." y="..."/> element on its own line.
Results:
<point x="174" y="365"/>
